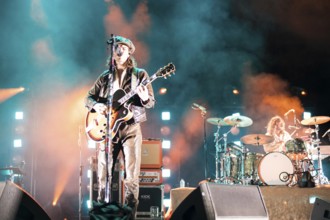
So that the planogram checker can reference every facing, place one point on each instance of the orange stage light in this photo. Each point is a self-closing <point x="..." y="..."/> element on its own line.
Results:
<point x="10" y="92"/>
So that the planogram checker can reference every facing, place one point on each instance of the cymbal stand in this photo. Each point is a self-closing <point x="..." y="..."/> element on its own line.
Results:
<point x="226" y="166"/>
<point x="217" y="153"/>
<point x="321" y="178"/>
<point x="225" y="160"/>
<point x="242" y="168"/>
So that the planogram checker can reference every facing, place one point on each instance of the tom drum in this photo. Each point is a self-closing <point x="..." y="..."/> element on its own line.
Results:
<point x="296" y="149"/>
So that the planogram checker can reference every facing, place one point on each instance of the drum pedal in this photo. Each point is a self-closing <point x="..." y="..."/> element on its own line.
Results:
<point x="306" y="180"/>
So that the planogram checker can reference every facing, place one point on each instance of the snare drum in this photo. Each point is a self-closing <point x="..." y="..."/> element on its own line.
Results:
<point x="296" y="149"/>
<point x="275" y="169"/>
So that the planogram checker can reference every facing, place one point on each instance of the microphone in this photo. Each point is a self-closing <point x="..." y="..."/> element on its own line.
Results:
<point x="111" y="39"/>
<point x="326" y="133"/>
<point x="196" y="107"/>
<point x="288" y="112"/>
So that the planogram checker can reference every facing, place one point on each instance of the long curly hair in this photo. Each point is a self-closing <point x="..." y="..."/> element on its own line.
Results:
<point x="273" y="123"/>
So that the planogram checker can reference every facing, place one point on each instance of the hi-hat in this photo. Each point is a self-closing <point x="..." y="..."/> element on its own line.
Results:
<point x="257" y="139"/>
<point x="217" y="121"/>
<point x="316" y="120"/>
<point x="239" y="121"/>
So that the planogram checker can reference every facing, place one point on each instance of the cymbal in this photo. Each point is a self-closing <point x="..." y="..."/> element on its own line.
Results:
<point x="257" y="139"/>
<point x="239" y="121"/>
<point x="217" y="121"/>
<point x="316" y="120"/>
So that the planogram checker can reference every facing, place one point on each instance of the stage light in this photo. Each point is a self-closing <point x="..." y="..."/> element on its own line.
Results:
<point x="162" y="91"/>
<point x="312" y="199"/>
<point x="165" y="130"/>
<point x="89" y="173"/>
<point x="235" y="91"/>
<point x="166" y="144"/>
<point x="303" y="92"/>
<point x="167" y="202"/>
<point x="236" y="114"/>
<point x="10" y="92"/>
<point x="17" y="143"/>
<point x="166" y="116"/>
<point x="89" y="204"/>
<point x="307" y="115"/>
<point x="166" y="172"/>
<point x="19" y="115"/>
<point x="238" y="143"/>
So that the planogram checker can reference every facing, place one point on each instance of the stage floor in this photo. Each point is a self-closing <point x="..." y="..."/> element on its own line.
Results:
<point x="282" y="202"/>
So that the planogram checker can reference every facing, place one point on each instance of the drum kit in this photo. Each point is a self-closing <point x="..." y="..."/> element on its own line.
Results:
<point x="236" y="164"/>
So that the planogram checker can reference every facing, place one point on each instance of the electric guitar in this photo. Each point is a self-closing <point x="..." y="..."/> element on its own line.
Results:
<point x="96" y="124"/>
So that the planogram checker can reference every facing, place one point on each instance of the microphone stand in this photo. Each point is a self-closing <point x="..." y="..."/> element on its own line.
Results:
<point x="108" y="139"/>
<point x="205" y="146"/>
<point x="80" y="173"/>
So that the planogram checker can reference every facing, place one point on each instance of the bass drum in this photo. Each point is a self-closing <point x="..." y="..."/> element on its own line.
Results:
<point x="275" y="169"/>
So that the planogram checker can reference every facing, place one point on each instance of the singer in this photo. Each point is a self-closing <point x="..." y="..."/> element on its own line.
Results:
<point x="276" y="128"/>
<point x="125" y="76"/>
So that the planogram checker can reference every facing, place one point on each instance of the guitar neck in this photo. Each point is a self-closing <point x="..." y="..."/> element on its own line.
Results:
<point x="130" y="94"/>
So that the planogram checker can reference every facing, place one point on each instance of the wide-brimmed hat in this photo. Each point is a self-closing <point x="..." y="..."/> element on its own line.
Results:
<point x="127" y="42"/>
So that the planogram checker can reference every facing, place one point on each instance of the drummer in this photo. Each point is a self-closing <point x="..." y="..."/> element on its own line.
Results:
<point x="276" y="129"/>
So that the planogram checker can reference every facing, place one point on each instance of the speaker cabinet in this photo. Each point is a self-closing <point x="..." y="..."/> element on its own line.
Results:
<point x="15" y="203"/>
<point x="150" y="196"/>
<point x="321" y="210"/>
<point x="215" y="201"/>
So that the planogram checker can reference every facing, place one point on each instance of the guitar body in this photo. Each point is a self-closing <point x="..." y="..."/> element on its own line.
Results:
<point x="96" y="124"/>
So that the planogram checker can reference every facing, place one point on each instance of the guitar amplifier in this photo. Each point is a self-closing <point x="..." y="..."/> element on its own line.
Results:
<point x="151" y="154"/>
<point x="150" y="196"/>
<point x="151" y="177"/>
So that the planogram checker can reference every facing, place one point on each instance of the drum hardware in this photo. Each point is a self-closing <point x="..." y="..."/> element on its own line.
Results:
<point x="226" y="169"/>
<point x="225" y="161"/>
<point x="219" y="160"/>
<point x="321" y="179"/>
<point x="309" y="131"/>
<point x="250" y="161"/>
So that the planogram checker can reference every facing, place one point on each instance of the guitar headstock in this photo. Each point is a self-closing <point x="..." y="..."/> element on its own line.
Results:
<point x="166" y="71"/>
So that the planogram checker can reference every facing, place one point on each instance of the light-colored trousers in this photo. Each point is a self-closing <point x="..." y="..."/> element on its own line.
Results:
<point x="130" y="141"/>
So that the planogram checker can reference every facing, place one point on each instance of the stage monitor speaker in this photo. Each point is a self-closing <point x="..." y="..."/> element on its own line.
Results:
<point x="17" y="204"/>
<point x="321" y="210"/>
<point x="215" y="201"/>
